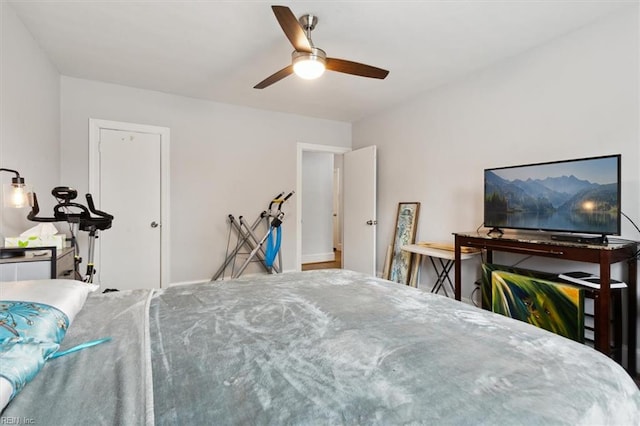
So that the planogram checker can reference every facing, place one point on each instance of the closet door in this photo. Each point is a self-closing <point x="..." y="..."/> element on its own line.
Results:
<point x="129" y="182"/>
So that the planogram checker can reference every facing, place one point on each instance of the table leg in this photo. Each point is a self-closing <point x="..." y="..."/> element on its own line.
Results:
<point x="438" y="282"/>
<point x="443" y="275"/>
<point x="602" y="312"/>
<point x="446" y="269"/>
<point x="458" y="271"/>
<point x="632" y="313"/>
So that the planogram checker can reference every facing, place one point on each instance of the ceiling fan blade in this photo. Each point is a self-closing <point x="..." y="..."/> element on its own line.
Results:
<point x="292" y="28"/>
<point x="355" y="68"/>
<point x="274" y="78"/>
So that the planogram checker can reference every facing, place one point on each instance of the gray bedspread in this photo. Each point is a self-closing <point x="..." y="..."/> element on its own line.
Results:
<point x="320" y="347"/>
<point x="104" y="385"/>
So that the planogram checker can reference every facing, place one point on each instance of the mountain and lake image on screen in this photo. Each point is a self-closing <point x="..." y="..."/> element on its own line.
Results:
<point x="581" y="196"/>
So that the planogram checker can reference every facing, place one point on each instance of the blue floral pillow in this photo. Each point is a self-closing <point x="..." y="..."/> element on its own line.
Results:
<point x="34" y="317"/>
<point x="29" y="334"/>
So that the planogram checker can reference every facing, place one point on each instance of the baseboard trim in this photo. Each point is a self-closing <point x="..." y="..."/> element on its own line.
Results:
<point x="318" y="257"/>
<point x="179" y="283"/>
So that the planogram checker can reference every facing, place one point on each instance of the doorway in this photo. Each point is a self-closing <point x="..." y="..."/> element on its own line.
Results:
<point x="129" y="177"/>
<point x="358" y="206"/>
<point x="321" y="210"/>
<point x="316" y="206"/>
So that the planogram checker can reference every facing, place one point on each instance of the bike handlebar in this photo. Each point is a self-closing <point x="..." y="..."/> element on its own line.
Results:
<point x="92" y="208"/>
<point x="35" y="209"/>
<point x="61" y="212"/>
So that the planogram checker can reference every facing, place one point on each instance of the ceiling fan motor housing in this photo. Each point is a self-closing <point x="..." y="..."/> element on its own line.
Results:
<point x="308" y="22"/>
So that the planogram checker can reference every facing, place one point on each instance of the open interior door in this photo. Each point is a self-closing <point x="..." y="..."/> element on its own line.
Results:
<point x="359" y="211"/>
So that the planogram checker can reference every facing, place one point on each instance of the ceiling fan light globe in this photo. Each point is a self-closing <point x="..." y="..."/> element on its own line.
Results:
<point x="309" y="65"/>
<point x="308" y="69"/>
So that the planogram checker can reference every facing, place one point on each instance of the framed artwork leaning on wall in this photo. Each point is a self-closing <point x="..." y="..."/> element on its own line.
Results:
<point x="405" y="233"/>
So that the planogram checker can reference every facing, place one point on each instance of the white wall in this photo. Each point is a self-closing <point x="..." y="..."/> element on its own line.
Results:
<point x="317" y="207"/>
<point x="574" y="97"/>
<point x="225" y="159"/>
<point x="29" y="117"/>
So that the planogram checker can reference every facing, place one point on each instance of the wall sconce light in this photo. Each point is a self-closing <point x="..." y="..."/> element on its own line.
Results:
<point x="15" y="194"/>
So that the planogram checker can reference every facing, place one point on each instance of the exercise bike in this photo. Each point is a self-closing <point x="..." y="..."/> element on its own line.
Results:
<point x="80" y="217"/>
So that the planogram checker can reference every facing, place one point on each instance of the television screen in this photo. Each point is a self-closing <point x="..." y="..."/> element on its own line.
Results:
<point x="573" y="196"/>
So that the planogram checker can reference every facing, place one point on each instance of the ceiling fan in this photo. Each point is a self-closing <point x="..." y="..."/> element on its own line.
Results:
<point x="308" y="61"/>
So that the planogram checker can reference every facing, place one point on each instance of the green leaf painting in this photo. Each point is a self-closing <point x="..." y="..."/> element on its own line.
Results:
<point x="553" y="306"/>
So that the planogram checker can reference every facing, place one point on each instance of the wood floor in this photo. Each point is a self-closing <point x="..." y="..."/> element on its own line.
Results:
<point x="336" y="264"/>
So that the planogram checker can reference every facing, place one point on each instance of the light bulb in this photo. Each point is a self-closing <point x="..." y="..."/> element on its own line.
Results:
<point x="308" y="69"/>
<point x="309" y="65"/>
<point x="18" y="197"/>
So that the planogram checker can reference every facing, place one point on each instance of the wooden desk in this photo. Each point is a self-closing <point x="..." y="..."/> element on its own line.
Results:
<point x="604" y="255"/>
<point x="445" y="257"/>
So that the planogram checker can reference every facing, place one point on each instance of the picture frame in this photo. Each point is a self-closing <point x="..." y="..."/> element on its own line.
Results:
<point x="405" y="233"/>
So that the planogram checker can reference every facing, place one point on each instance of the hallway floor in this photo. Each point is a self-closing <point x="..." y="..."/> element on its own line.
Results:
<point x="336" y="264"/>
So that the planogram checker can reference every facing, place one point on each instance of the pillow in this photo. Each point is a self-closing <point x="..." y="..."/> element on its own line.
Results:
<point x="66" y="295"/>
<point x="34" y="317"/>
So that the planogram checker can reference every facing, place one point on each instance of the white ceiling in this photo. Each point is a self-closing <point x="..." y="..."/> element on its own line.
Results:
<point x="219" y="50"/>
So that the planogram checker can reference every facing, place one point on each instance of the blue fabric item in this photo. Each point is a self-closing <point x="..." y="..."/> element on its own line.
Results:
<point x="273" y="247"/>
<point x="30" y="333"/>
<point x="80" y="347"/>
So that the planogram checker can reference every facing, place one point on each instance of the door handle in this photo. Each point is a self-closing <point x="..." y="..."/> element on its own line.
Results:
<point x="154" y="224"/>
<point x="372" y="222"/>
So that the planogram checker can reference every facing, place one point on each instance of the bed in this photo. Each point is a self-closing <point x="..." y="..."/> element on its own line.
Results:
<point x="317" y="347"/>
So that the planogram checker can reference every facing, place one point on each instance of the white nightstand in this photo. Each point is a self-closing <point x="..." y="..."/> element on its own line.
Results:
<point x="57" y="263"/>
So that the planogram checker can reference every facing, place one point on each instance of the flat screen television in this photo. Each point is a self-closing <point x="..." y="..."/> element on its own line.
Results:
<point x="580" y="196"/>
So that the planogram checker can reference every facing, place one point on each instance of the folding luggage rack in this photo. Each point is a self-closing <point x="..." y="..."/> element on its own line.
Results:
<point x="269" y="256"/>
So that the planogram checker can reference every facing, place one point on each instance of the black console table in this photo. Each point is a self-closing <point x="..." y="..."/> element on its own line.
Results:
<point x="605" y="255"/>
